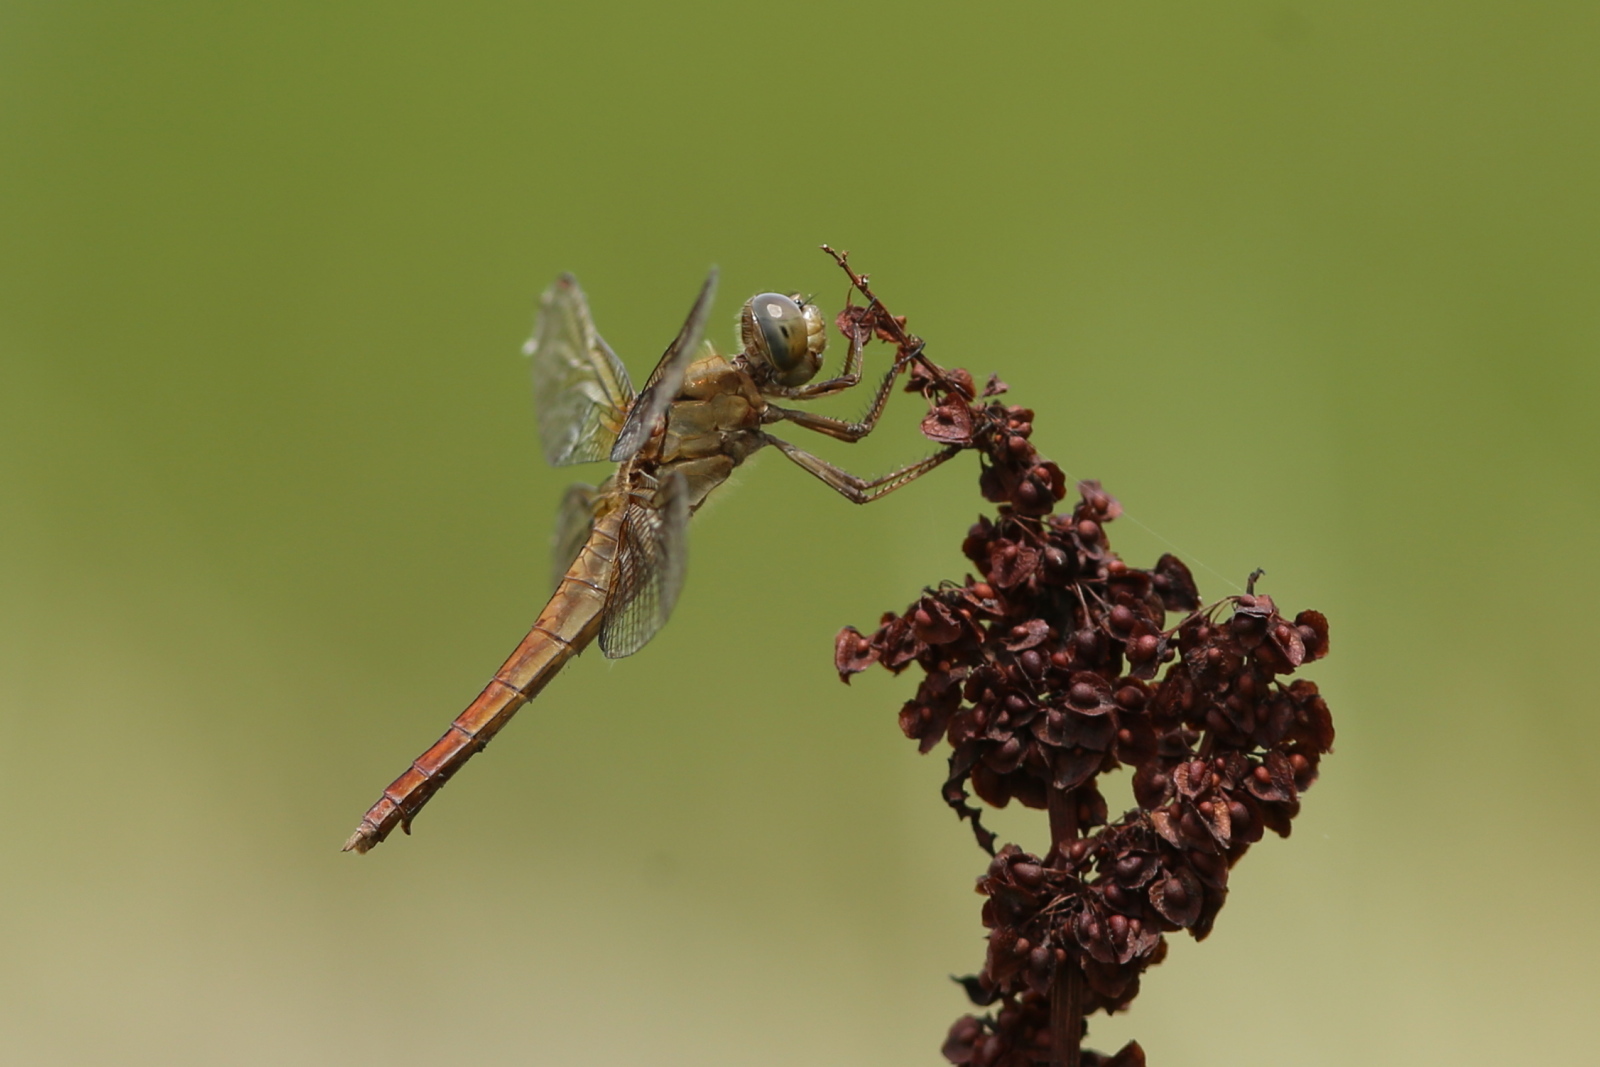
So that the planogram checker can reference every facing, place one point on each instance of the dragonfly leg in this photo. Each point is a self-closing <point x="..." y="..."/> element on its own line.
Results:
<point x="856" y="489"/>
<point x="839" y="428"/>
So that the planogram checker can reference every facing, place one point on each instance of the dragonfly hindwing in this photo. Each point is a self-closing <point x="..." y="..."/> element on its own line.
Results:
<point x="652" y="557"/>
<point x="574" y="522"/>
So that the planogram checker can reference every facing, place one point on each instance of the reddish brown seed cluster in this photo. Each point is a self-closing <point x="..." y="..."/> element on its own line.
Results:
<point x="1056" y="665"/>
<point x="1020" y="1034"/>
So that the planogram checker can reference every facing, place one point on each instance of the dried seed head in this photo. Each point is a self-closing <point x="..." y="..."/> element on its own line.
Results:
<point x="1056" y="664"/>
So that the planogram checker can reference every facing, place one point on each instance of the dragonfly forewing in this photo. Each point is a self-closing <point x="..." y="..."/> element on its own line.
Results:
<point x="581" y="392"/>
<point x="664" y="382"/>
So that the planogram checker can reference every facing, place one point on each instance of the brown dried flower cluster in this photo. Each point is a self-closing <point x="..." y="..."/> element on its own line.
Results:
<point x="1055" y="665"/>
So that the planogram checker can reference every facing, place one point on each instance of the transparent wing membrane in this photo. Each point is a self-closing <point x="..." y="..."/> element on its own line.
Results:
<point x="651" y="562"/>
<point x="581" y="392"/>
<point x="667" y="378"/>
<point x="573" y="523"/>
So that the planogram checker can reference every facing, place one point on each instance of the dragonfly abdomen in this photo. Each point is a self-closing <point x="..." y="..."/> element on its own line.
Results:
<point x="564" y="628"/>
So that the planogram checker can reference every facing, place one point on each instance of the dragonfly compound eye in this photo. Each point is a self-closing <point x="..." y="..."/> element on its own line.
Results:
<point x="786" y="334"/>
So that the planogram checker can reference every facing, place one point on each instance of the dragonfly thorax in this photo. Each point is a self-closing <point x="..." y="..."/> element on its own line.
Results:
<point x="783" y="337"/>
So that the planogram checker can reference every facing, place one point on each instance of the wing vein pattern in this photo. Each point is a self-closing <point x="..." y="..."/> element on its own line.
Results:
<point x="581" y="392"/>
<point x="652" y="556"/>
<point x="667" y="378"/>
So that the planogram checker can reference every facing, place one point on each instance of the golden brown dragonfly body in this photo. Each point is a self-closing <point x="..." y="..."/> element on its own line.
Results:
<point x="620" y="549"/>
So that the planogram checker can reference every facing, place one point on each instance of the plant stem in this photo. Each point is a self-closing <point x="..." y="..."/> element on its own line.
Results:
<point x="1066" y="1016"/>
<point x="1066" y="992"/>
<point x="1063" y="824"/>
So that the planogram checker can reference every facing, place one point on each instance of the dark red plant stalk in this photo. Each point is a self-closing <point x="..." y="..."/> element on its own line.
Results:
<point x="1057" y="665"/>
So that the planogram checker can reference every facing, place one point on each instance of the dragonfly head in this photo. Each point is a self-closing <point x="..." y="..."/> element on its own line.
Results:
<point x="784" y="335"/>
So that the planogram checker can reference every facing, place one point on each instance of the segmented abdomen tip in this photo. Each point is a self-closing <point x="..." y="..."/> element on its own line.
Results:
<point x="359" y="841"/>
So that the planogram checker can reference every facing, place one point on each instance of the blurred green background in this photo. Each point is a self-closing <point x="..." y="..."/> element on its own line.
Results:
<point x="1311" y="287"/>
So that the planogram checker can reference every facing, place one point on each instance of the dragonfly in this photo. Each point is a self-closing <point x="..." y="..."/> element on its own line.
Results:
<point x="620" y="548"/>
